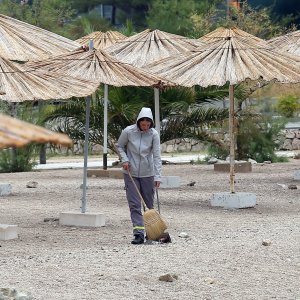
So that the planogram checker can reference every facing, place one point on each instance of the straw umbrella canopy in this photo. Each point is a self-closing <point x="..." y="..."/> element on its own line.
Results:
<point x="289" y="43"/>
<point x="18" y="84"/>
<point x="85" y="40"/>
<point x="223" y="33"/>
<point x="22" y="41"/>
<point x="100" y="39"/>
<point x="98" y="66"/>
<point x="232" y="56"/>
<point x="17" y="133"/>
<point x="149" y="46"/>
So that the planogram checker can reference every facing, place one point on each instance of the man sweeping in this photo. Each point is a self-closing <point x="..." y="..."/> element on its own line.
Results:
<point x="139" y="149"/>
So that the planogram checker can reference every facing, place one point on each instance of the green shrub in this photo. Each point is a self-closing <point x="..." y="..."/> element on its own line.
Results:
<point x="288" y="106"/>
<point x="256" y="139"/>
<point x="18" y="160"/>
<point x="218" y="151"/>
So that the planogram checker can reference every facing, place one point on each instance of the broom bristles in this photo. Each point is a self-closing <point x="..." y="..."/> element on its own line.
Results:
<point x="154" y="224"/>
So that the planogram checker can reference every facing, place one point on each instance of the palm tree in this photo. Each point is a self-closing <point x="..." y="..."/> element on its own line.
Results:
<point x="182" y="110"/>
<point x="87" y="24"/>
<point x="192" y="113"/>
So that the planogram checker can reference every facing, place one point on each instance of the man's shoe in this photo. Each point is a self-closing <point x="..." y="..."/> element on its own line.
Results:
<point x="138" y="239"/>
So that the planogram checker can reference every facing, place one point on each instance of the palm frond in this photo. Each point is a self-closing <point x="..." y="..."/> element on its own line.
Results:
<point x="200" y="116"/>
<point x="193" y="124"/>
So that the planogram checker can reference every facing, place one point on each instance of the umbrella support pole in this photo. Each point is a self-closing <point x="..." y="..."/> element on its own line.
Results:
<point x="105" y="127"/>
<point x="86" y="144"/>
<point x="104" y="161"/>
<point x="156" y="107"/>
<point x="231" y="137"/>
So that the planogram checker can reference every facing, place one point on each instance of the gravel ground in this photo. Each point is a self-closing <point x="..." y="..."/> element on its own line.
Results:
<point x="222" y="258"/>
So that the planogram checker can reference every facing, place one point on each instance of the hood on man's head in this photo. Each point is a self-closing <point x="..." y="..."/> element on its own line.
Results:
<point x="145" y="113"/>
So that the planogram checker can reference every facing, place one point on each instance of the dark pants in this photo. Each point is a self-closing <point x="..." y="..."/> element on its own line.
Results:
<point x="146" y="188"/>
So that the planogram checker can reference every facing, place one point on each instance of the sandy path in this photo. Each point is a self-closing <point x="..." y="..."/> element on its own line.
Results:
<point x="223" y="258"/>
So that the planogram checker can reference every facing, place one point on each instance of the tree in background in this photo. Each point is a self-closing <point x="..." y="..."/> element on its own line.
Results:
<point x="288" y="106"/>
<point x="15" y="10"/>
<point x="182" y="109"/>
<point x="255" y="132"/>
<point x="182" y="112"/>
<point x="171" y="16"/>
<point x="85" y="25"/>
<point x="256" y="137"/>
<point x="289" y="10"/>
<point x="185" y="17"/>
<point x="176" y="16"/>
<point x="48" y="14"/>
<point x="258" y="22"/>
<point x="83" y="6"/>
<point x="20" y="159"/>
<point x="141" y="11"/>
<point x="76" y="18"/>
<point x="60" y="16"/>
<point x="196" y="18"/>
<point x="130" y="9"/>
<point x="128" y="29"/>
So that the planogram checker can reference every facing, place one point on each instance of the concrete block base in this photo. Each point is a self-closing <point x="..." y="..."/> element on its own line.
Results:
<point x="8" y="232"/>
<point x="242" y="167"/>
<point x="170" y="182"/>
<point x="297" y="175"/>
<point x="97" y="173"/>
<point x="233" y="200"/>
<point x="80" y="219"/>
<point x="111" y="173"/>
<point x="116" y="174"/>
<point x="5" y="189"/>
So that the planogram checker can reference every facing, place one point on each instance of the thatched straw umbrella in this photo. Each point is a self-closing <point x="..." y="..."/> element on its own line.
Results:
<point x="17" y="133"/>
<point x="101" y="39"/>
<point x="19" y="85"/>
<point x="96" y="65"/>
<point x="289" y="43"/>
<point x="230" y="59"/>
<point x="223" y="33"/>
<point x="22" y="41"/>
<point x="150" y="46"/>
<point x="232" y="56"/>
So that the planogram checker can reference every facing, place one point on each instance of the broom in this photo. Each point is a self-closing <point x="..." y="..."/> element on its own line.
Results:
<point x="154" y="224"/>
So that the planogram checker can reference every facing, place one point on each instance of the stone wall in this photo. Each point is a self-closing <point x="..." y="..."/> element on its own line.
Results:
<point x="288" y="139"/>
<point x="182" y="145"/>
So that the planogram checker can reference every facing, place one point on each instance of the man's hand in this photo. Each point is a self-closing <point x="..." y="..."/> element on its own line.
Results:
<point x="126" y="166"/>
<point x="157" y="184"/>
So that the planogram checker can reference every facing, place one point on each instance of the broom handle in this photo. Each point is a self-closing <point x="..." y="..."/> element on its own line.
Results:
<point x="158" y="206"/>
<point x="137" y="190"/>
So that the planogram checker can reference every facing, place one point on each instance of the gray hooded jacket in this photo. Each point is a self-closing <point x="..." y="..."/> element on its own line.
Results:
<point x="141" y="149"/>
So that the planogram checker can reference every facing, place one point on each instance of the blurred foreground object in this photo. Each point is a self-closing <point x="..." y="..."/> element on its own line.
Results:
<point x="17" y="133"/>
